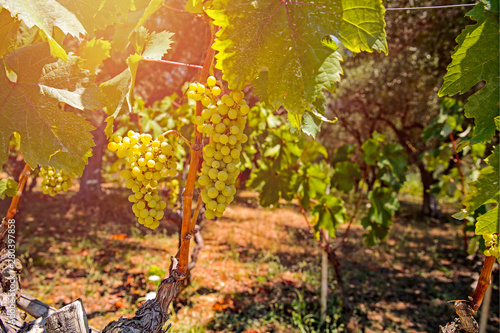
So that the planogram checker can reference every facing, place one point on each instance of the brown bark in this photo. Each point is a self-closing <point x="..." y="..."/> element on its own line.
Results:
<point x="90" y="182"/>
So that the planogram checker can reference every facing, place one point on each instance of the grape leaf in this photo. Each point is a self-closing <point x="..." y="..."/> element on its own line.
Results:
<point x="8" y="32"/>
<point x="194" y="6"/>
<point x="94" y="53"/>
<point x="116" y="91"/>
<point x="152" y="7"/>
<point x="370" y="151"/>
<point x="488" y="223"/>
<point x="384" y="205"/>
<point x="271" y="185"/>
<point x="311" y="184"/>
<point x="281" y="148"/>
<point x="46" y="15"/>
<point x="476" y="59"/>
<point x="345" y="176"/>
<point x="119" y="90"/>
<point x="291" y="44"/>
<point x="31" y="106"/>
<point x="393" y="164"/>
<point x="8" y="187"/>
<point x="98" y="14"/>
<point x="485" y="188"/>
<point x="331" y="212"/>
<point x="312" y="149"/>
<point x="342" y="153"/>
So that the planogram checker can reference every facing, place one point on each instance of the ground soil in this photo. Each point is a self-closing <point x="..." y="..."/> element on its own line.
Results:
<point x="258" y="272"/>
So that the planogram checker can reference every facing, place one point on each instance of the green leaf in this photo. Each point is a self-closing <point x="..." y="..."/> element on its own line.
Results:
<point x="476" y="59"/>
<point x="345" y="176"/>
<point x="312" y="149"/>
<point x="94" y="53"/>
<point x="31" y="106"/>
<point x="46" y="15"/>
<point x="311" y="183"/>
<point x="194" y="6"/>
<point x="119" y="90"/>
<point x="393" y="164"/>
<point x="116" y="91"/>
<point x="370" y="151"/>
<point x="96" y="15"/>
<point x="297" y="55"/>
<point x="363" y="26"/>
<point x="272" y="185"/>
<point x="8" y="187"/>
<point x="342" y="153"/>
<point x="311" y="124"/>
<point x="331" y="212"/>
<point x="487" y="224"/>
<point x="485" y="188"/>
<point x="8" y="32"/>
<point x="384" y="205"/>
<point x="152" y="7"/>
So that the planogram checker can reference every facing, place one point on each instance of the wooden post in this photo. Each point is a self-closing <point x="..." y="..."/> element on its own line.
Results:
<point x="324" y="279"/>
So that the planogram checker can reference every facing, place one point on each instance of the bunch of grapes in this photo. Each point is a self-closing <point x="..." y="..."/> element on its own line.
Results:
<point x="147" y="161"/>
<point x="491" y="242"/>
<point x="223" y="121"/>
<point x="55" y="181"/>
<point x="174" y="192"/>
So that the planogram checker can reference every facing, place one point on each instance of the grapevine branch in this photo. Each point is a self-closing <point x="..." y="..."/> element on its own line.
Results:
<point x="483" y="283"/>
<point x="358" y="201"/>
<point x="187" y="195"/>
<point x="462" y="179"/>
<point x="15" y="200"/>
<point x="179" y="135"/>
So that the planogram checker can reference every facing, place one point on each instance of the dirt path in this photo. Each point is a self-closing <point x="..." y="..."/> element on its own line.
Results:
<point x="258" y="271"/>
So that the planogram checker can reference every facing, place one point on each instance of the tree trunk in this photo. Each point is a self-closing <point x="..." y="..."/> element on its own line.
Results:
<point x="429" y="203"/>
<point x="90" y="183"/>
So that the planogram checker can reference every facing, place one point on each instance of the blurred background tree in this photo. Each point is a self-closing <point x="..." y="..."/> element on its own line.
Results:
<point x="397" y="94"/>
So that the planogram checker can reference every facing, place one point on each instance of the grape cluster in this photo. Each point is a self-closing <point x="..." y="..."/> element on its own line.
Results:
<point x="55" y="181"/>
<point x="223" y="121"/>
<point x="174" y="192"/>
<point x="491" y="242"/>
<point x="147" y="161"/>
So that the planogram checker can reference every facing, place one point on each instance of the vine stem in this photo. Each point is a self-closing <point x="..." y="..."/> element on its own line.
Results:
<point x="358" y="201"/>
<point x="187" y="195"/>
<point x="483" y="283"/>
<point x="175" y="63"/>
<point x="462" y="179"/>
<point x="179" y="135"/>
<point x="15" y="200"/>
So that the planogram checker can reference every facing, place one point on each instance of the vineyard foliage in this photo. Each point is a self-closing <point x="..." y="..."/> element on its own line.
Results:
<point x="475" y="60"/>
<point x="286" y="166"/>
<point x="52" y="49"/>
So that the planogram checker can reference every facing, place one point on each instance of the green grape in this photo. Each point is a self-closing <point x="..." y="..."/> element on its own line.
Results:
<point x="54" y="181"/>
<point x="221" y="208"/>
<point x="211" y="81"/>
<point x="203" y="180"/>
<point x="213" y="173"/>
<point x="211" y="205"/>
<point x="222" y="175"/>
<point x="212" y="192"/>
<point x="220" y="128"/>
<point x="221" y="199"/>
<point x="205" y="101"/>
<point x="209" y="214"/>
<point x="232" y="114"/>
<point x="219" y="185"/>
